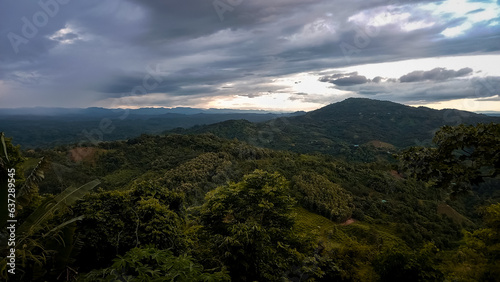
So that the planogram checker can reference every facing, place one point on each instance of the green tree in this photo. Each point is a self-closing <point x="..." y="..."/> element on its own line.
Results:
<point x="401" y="264"/>
<point x="40" y="244"/>
<point x="478" y="258"/>
<point x="320" y="195"/>
<point x="116" y="221"/>
<point x="151" y="264"/>
<point x="249" y="225"/>
<point x="463" y="157"/>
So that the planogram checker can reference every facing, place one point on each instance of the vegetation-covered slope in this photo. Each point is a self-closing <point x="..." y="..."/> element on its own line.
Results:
<point x="347" y="128"/>
<point x="95" y="125"/>
<point x="227" y="210"/>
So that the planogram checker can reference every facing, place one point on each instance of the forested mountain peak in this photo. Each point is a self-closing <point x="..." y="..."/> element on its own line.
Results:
<point x="351" y="107"/>
<point x="359" y="105"/>
<point x="342" y="127"/>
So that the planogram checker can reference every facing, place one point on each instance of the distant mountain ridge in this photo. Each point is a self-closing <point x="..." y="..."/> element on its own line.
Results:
<point x="343" y="128"/>
<point x="54" y="111"/>
<point x="44" y="127"/>
<point x="345" y="125"/>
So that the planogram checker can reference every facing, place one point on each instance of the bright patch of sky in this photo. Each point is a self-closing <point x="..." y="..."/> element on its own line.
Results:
<point x="471" y="105"/>
<point x="406" y="17"/>
<point x="66" y="35"/>
<point x="390" y="15"/>
<point x="472" y="12"/>
<point x="299" y="86"/>
<point x="273" y="101"/>
<point x="483" y="65"/>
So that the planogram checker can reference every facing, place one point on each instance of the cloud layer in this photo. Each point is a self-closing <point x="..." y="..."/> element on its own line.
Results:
<point x="177" y="53"/>
<point x="437" y="74"/>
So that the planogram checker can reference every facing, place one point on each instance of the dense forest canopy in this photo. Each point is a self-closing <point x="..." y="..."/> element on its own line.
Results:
<point x="200" y="207"/>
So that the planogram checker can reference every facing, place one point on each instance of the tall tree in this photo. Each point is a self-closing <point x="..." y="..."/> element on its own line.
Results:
<point x="250" y="227"/>
<point x="464" y="156"/>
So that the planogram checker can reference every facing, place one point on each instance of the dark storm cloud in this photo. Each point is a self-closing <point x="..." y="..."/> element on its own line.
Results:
<point x="345" y="80"/>
<point x="88" y="51"/>
<point x="437" y="74"/>
<point x="476" y="88"/>
<point x="26" y="25"/>
<point x="494" y="98"/>
<point x="350" y="80"/>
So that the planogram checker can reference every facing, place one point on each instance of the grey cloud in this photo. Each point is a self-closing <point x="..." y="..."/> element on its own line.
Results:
<point x="251" y="95"/>
<point x="336" y="76"/>
<point x="30" y="22"/>
<point x="350" y="80"/>
<point x="429" y="91"/>
<point x="118" y="39"/>
<point x="437" y="74"/>
<point x="345" y="79"/>
<point x="493" y="98"/>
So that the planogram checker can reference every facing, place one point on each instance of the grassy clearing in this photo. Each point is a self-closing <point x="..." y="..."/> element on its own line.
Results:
<point x="450" y="212"/>
<point x="336" y="235"/>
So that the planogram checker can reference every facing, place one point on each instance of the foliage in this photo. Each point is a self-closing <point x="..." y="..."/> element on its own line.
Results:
<point x="38" y="131"/>
<point x="345" y="129"/>
<point x="39" y="243"/>
<point x="151" y="264"/>
<point x="399" y="264"/>
<point x="198" y="176"/>
<point x="46" y="210"/>
<point x="211" y="202"/>
<point x="35" y="249"/>
<point x="317" y="193"/>
<point x="10" y="160"/>
<point x="29" y="189"/>
<point x="464" y="156"/>
<point x="249" y="224"/>
<point x="117" y="221"/>
<point x="478" y="258"/>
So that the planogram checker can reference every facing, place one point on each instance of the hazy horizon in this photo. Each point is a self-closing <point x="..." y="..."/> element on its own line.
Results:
<point x="180" y="109"/>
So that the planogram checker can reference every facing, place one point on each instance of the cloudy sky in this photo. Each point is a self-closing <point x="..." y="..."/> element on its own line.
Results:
<point x="249" y="54"/>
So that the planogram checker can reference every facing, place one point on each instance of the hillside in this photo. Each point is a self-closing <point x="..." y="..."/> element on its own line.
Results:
<point x="353" y="128"/>
<point x="345" y="127"/>
<point x="45" y="128"/>
<point x="220" y="210"/>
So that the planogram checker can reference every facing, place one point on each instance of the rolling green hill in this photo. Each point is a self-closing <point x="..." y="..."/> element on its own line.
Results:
<point x="219" y="209"/>
<point x="344" y="128"/>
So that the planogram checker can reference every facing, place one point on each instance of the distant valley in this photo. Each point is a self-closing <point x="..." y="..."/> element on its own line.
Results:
<point x="343" y="128"/>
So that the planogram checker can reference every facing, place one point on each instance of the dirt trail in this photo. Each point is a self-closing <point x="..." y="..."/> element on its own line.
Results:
<point x="347" y="222"/>
<point x="82" y="154"/>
